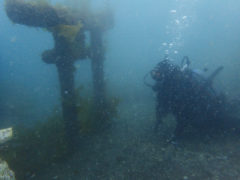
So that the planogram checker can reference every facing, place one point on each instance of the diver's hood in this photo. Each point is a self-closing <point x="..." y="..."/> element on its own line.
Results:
<point x="162" y="70"/>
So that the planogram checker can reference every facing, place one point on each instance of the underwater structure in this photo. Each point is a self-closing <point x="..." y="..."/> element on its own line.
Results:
<point x="68" y="28"/>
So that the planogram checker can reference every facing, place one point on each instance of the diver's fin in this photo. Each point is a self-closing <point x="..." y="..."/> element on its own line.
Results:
<point x="185" y="63"/>
<point x="213" y="75"/>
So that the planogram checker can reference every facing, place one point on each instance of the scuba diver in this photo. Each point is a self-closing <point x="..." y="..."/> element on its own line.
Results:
<point x="188" y="95"/>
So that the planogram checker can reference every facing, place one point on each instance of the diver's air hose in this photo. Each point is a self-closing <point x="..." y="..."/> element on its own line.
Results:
<point x="145" y="82"/>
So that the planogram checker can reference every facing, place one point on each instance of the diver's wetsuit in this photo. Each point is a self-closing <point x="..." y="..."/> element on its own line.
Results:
<point x="187" y="95"/>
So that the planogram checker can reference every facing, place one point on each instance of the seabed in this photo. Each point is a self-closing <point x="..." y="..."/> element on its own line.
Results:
<point x="131" y="152"/>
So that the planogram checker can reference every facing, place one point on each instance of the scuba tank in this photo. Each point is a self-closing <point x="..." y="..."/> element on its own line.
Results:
<point x="197" y="74"/>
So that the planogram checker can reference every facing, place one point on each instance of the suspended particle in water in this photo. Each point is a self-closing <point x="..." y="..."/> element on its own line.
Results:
<point x="175" y="52"/>
<point x="177" y="21"/>
<point x="184" y="17"/>
<point x="164" y="44"/>
<point x="11" y="63"/>
<point x="173" y="11"/>
<point x="170" y="45"/>
<point x="13" y="39"/>
<point x="77" y="66"/>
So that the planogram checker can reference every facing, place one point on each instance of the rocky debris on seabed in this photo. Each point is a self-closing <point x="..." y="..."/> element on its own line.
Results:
<point x="5" y="135"/>
<point x="5" y="172"/>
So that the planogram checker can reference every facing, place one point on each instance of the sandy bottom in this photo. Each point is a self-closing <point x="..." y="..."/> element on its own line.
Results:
<point x="130" y="150"/>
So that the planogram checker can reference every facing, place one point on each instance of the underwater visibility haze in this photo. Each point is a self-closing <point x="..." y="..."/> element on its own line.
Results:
<point x="74" y="89"/>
